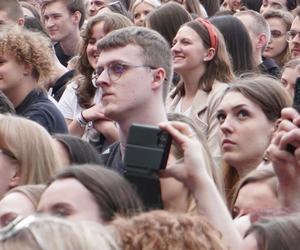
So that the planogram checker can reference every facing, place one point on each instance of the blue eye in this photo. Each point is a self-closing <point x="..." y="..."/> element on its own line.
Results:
<point x="242" y="114"/>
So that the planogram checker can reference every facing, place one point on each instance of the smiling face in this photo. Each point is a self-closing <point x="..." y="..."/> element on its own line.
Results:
<point x="12" y="74"/>
<point x="188" y="51"/>
<point x="278" y="43"/>
<point x="68" y="198"/>
<point x="58" y="21"/>
<point x="245" y="131"/>
<point x="91" y="49"/>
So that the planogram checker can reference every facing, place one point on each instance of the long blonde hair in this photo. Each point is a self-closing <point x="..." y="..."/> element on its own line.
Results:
<point x="31" y="146"/>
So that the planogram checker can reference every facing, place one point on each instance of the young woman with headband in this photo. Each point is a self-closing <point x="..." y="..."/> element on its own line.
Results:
<point x="201" y="59"/>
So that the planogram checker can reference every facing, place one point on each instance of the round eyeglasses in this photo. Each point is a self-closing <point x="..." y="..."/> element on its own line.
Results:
<point x="290" y="35"/>
<point x="117" y="69"/>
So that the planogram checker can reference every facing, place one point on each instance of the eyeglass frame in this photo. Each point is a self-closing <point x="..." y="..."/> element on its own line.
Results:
<point x="288" y="35"/>
<point x="96" y="74"/>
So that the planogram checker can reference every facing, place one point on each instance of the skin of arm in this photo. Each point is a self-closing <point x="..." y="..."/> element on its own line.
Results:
<point x="194" y="176"/>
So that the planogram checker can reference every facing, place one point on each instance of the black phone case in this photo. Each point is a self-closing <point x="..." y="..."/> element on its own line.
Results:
<point x="147" y="148"/>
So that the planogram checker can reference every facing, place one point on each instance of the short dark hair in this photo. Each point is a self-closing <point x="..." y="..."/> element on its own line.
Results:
<point x="72" y="6"/>
<point x="156" y="50"/>
<point x="112" y="192"/>
<point x="5" y="105"/>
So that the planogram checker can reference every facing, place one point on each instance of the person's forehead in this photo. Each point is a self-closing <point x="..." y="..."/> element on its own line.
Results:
<point x="130" y="53"/>
<point x="56" y="6"/>
<point x="296" y="24"/>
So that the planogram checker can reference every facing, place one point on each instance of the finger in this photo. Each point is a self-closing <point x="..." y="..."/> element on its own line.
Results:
<point x="292" y="137"/>
<point x="181" y="127"/>
<point x="177" y="135"/>
<point x="297" y="157"/>
<point x="289" y="113"/>
<point x="296" y="121"/>
<point x="286" y="125"/>
<point x="276" y="138"/>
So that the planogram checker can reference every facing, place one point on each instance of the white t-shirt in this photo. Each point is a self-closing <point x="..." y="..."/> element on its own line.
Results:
<point x="68" y="103"/>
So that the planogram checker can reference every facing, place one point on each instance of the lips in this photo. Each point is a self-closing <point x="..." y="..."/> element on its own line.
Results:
<point x="227" y="142"/>
<point x="105" y="95"/>
<point x="295" y="51"/>
<point x="52" y="32"/>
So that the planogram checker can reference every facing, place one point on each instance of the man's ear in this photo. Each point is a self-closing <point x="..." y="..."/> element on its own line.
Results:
<point x="21" y="22"/>
<point x="210" y="54"/>
<point x="262" y="41"/>
<point x="159" y="77"/>
<point x="76" y="17"/>
<point x="27" y="69"/>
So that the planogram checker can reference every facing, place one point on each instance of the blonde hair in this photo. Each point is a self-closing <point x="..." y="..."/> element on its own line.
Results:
<point x="57" y="234"/>
<point x="32" y="192"/>
<point x="31" y="145"/>
<point x="162" y="230"/>
<point x="28" y="47"/>
<point x="154" y="3"/>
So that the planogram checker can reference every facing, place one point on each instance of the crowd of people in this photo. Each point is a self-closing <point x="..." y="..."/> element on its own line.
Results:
<point x="220" y="77"/>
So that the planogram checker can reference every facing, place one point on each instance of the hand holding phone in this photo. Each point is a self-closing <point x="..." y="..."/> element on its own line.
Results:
<point x="296" y="105"/>
<point x="147" y="148"/>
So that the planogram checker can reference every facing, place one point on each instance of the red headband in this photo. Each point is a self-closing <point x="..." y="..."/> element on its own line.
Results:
<point x="211" y="32"/>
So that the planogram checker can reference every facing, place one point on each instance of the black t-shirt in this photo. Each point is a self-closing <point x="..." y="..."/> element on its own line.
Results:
<point x="62" y="57"/>
<point x="37" y="107"/>
<point x="147" y="186"/>
<point x="270" y="67"/>
<point x="112" y="158"/>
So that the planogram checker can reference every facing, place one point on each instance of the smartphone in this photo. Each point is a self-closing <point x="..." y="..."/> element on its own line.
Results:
<point x="296" y="105"/>
<point x="146" y="152"/>
<point x="147" y="148"/>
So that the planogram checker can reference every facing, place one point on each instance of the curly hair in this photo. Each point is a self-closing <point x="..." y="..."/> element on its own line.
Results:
<point x="28" y="47"/>
<point x="162" y="230"/>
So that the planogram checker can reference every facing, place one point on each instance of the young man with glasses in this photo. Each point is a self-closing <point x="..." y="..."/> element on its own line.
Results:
<point x="293" y="36"/>
<point x="134" y="70"/>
